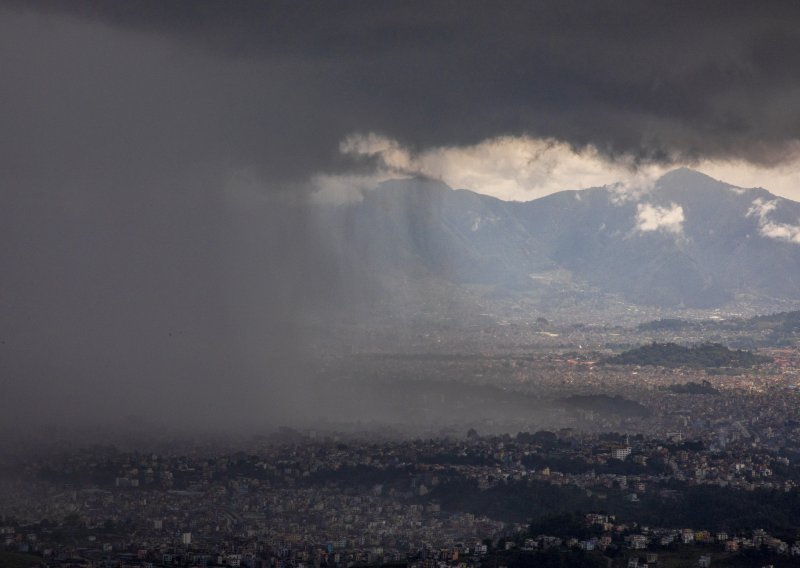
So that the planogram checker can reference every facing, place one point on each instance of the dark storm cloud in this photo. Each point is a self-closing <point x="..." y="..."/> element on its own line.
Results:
<point x="657" y="80"/>
<point x="142" y="275"/>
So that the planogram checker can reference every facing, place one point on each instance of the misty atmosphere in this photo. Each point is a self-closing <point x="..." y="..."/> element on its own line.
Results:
<point x="411" y="284"/>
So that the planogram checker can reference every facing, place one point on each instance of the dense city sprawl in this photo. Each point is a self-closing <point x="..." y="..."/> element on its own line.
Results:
<point x="339" y="500"/>
<point x="552" y="456"/>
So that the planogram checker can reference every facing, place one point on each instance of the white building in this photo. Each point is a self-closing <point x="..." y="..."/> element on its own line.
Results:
<point x="621" y="452"/>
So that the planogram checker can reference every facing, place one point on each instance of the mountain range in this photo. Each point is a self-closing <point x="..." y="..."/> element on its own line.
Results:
<point x="687" y="240"/>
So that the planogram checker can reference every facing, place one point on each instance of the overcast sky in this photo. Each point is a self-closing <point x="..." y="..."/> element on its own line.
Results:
<point x="112" y="91"/>
<point x="142" y="144"/>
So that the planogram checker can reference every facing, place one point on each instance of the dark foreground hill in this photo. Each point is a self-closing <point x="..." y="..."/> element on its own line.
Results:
<point x="708" y="355"/>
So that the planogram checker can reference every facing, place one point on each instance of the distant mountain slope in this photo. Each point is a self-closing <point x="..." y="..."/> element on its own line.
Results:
<point x="688" y="241"/>
<point x="422" y="228"/>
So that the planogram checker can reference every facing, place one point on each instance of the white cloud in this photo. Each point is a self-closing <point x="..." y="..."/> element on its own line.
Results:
<point x="394" y="162"/>
<point x="392" y="155"/>
<point x="523" y="168"/>
<point x="762" y="208"/>
<point x="772" y="229"/>
<point x="781" y="231"/>
<point x="654" y="218"/>
<point x="511" y="168"/>
<point x="633" y="188"/>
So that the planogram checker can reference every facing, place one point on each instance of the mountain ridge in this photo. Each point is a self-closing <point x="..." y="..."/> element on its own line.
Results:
<point x="687" y="241"/>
